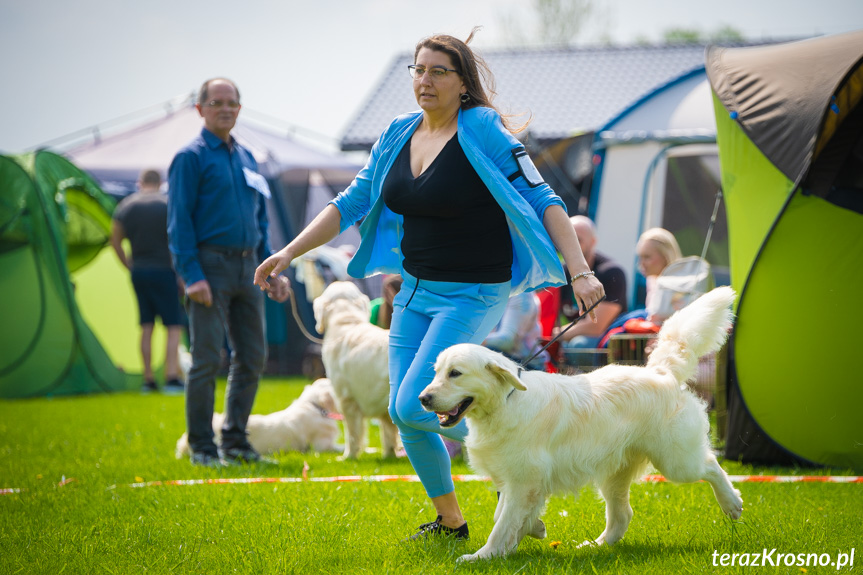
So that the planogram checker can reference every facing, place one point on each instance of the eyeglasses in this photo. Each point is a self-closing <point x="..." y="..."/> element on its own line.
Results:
<point x="232" y="104"/>
<point x="435" y="72"/>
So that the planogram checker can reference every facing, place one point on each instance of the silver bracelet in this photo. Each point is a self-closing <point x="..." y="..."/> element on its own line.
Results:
<point x="581" y="275"/>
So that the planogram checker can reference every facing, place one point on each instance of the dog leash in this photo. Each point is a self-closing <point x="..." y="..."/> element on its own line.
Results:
<point x="299" y="321"/>
<point x="523" y="365"/>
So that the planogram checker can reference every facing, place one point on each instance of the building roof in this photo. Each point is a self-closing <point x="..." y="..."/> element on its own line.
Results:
<point x="565" y="90"/>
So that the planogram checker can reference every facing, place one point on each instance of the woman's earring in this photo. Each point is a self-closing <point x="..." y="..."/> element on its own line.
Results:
<point x="465" y="98"/>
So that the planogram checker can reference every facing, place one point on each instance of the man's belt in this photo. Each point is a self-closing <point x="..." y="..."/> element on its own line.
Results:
<point x="224" y="250"/>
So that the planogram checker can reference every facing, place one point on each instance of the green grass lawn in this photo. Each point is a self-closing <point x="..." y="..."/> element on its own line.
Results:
<point x="75" y="458"/>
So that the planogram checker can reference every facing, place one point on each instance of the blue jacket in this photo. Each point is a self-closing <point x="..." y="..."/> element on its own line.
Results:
<point x="490" y="149"/>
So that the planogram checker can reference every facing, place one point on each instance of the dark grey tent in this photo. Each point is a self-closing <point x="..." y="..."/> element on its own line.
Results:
<point x="790" y="134"/>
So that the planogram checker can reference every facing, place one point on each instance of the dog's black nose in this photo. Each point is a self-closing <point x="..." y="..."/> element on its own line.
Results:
<point x="426" y="399"/>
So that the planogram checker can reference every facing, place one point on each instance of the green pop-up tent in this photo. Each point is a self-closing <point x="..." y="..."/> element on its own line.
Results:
<point x="790" y="135"/>
<point x="54" y="222"/>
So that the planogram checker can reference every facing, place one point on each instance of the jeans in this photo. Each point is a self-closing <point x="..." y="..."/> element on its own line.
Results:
<point x="238" y="309"/>
<point x="428" y="317"/>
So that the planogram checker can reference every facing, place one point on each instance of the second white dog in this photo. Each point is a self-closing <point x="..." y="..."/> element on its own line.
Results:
<point x="309" y="423"/>
<point x="536" y="433"/>
<point x="355" y="355"/>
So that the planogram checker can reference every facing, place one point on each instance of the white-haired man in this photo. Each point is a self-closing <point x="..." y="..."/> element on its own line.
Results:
<point x="586" y="334"/>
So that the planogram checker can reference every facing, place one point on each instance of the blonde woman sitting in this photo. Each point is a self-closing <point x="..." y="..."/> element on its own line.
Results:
<point x="656" y="249"/>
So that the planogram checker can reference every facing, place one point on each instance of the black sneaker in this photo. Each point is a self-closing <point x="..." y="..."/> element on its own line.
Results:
<point x="149" y="387"/>
<point x="174" y="387"/>
<point x="240" y="455"/>
<point x="204" y="459"/>
<point x="435" y="528"/>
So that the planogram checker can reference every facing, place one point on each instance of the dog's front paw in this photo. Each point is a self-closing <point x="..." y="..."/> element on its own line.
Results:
<point x="591" y="543"/>
<point x="538" y="531"/>
<point x="730" y="502"/>
<point x="733" y="506"/>
<point x="469" y="558"/>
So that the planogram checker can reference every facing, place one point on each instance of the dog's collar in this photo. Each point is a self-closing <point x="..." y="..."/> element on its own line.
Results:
<point x="322" y="409"/>
<point x="324" y="412"/>
<point x="520" y="369"/>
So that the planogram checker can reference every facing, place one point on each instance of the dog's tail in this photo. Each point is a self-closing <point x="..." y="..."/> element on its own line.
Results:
<point x="182" y="449"/>
<point x="696" y="330"/>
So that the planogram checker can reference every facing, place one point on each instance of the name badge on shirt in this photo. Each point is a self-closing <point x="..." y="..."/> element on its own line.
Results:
<point x="257" y="181"/>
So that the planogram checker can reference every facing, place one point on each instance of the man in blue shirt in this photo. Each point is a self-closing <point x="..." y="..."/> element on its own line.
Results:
<point x="217" y="225"/>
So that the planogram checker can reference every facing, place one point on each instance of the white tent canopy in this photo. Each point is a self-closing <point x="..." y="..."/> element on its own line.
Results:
<point x="117" y="159"/>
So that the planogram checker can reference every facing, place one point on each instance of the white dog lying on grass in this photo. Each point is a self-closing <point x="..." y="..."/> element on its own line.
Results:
<point x="536" y="433"/>
<point x="309" y="423"/>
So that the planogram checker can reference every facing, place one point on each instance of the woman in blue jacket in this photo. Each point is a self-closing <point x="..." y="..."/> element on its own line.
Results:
<point x="451" y="202"/>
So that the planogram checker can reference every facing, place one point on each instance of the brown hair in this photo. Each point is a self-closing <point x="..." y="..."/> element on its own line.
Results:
<point x="150" y="178"/>
<point x="474" y="72"/>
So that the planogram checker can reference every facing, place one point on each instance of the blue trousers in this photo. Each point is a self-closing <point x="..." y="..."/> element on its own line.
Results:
<point x="428" y="317"/>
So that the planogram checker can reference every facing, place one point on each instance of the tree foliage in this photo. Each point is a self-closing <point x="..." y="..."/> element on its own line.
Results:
<point x="679" y="35"/>
<point x="550" y="22"/>
<point x="562" y="21"/>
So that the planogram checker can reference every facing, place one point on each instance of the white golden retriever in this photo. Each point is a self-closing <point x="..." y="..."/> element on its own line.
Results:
<point x="355" y="355"/>
<point x="536" y="434"/>
<point x="309" y="423"/>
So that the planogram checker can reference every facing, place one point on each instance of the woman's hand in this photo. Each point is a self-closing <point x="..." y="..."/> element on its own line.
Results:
<point x="587" y="291"/>
<point x="322" y="229"/>
<point x="270" y="268"/>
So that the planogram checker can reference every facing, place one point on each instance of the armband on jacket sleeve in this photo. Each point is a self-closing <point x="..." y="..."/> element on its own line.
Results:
<point x="526" y="169"/>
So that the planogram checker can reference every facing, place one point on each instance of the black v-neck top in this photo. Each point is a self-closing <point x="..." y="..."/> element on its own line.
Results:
<point x="454" y="230"/>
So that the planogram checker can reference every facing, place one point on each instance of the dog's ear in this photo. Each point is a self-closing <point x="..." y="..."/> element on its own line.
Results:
<point x="504" y="375"/>
<point x="320" y="316"/>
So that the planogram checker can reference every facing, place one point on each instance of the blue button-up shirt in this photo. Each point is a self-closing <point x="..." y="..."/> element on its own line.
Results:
<point x="211" y="202"/>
